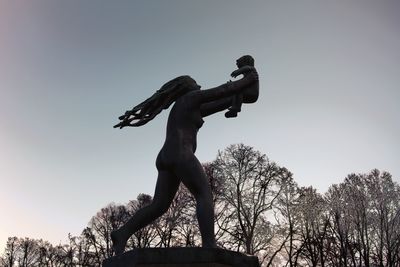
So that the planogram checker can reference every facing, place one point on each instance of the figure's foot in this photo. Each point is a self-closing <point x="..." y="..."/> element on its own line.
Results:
<point x="209" y="244"/>
<point x="231" y="114"/>
<point x="119" y="242"/>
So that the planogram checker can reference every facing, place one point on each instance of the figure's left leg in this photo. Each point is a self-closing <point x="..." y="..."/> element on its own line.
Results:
<point x="166" y="188"/>
<point x="237" y="105"/>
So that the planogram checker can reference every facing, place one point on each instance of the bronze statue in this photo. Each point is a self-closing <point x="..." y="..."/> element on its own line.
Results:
<point x="176" y="161"/>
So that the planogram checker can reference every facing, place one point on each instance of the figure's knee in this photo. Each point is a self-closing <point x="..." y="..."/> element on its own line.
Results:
<point x="249" y="99"/>
<point x="159" y="207"/>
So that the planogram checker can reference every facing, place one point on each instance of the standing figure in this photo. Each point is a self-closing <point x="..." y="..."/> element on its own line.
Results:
<point x="250" y="95"/>
<point x="176" y="161"/>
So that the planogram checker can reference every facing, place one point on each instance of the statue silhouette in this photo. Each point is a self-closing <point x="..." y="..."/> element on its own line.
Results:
<point x="176" y="161"/>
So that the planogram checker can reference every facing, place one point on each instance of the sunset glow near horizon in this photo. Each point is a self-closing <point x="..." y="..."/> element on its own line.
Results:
<point x="329" y="100"/>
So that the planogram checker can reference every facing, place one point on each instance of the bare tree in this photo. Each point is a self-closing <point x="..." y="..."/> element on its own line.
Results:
<point x="10" y="253"/>
<point x="365" y="219"/>
<point x="313" y="226"/>
<point x="182" y="221"/>
<point x="82" y="249"/>
<point x="286" y="215"/>
<point x="99" y="228"/>
<point x="343" y="245"/>
<point x="384" y="198"/>
<point x="147" y="235"/>
<point x="251" y="185"/>
<point x="27" y="252"/>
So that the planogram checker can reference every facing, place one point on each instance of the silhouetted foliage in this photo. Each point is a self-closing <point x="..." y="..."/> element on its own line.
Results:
<point x="260" y="210"/>
<point x="251" y="184"/>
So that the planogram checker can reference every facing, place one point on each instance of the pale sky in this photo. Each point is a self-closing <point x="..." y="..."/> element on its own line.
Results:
<point x="329" y="80"/>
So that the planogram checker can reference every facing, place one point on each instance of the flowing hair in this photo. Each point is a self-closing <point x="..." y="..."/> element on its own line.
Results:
<point x="161" y="99"/>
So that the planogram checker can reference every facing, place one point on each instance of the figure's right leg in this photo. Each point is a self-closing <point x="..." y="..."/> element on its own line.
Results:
<point x="166" y="188"/>
<point x="195" y="179"/>
<point x="236" y="106"/>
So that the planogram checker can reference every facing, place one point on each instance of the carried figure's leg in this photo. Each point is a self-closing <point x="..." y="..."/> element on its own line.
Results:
<point x="192" y="175"/>
<point x="166" y="188"/>
<point x="236" y="107"/>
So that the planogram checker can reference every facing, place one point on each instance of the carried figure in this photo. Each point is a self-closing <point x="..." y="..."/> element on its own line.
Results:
<point x="245" y="64"/>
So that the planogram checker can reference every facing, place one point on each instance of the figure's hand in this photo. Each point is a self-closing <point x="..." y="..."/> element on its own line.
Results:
<point x="118" y="125"/>
<point x="124" y="120"/>
<point x="235" y="73"/>
<point x="243" y="70"/>
<point x="249" y="78"/>
<point x="126" y="115"/>
<point x="123" y="123"/>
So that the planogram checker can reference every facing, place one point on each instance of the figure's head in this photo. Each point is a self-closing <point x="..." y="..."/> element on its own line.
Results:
<point x="162" y="99"/>
<point x="246" y="60"/>
<point x="178" y="87"/>
<point x="186" y="84"/>
<point x="190" y="83"/>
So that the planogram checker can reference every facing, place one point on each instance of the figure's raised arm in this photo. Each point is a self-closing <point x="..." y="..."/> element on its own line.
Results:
<point x="243" y="70"/>
<point x="227" y="89"/>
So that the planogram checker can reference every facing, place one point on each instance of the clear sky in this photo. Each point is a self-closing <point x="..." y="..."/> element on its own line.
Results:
<point x="329" y="104"/>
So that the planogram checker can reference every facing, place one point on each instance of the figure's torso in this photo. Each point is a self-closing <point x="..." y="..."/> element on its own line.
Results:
<point x="250" y="95"/>
<point x="184" y="121"/>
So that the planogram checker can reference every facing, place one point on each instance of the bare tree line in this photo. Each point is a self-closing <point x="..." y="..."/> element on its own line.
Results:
<point x="259" y="210"/>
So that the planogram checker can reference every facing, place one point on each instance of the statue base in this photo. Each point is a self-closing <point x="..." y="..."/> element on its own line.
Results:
<point x="181" y="257"/>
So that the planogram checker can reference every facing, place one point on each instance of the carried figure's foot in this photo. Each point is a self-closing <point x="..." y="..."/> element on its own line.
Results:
<point x="119" y="242"/>
<point x="231" y="114"/>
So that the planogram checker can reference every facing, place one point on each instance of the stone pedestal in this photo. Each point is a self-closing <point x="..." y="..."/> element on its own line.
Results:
<point x="181" y="257"/>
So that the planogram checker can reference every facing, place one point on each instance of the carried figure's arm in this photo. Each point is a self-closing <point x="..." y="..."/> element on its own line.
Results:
<point x="243" y="70"/>
<point x="209" y="108"/>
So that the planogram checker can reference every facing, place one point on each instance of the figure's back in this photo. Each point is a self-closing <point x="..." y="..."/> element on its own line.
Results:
<point x="250" y="95"/>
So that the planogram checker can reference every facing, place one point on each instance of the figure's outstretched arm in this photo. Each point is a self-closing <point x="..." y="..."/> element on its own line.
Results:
<point x="209" y="108"/>
<point x="227" y="89"/>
